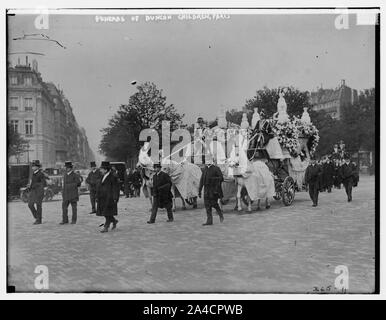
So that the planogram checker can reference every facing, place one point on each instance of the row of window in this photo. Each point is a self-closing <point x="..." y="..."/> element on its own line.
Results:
<point x="28" y="126"/>
<point x="27" y="80"/>
<point x="14" y="104"/>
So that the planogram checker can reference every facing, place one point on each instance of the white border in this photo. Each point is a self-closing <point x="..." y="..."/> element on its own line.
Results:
<point x="173" y="4"/>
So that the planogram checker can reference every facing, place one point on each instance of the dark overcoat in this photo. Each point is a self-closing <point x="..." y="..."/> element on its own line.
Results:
<point x="93" y="179"/>
<point x="211" y="180"/>
<point x="38" y="182"/>
<point x="71" y="182"/>
<point x="349" y="173"/>
<point x="162" y="185"/>
<point x="355" y="170"/>
<point x="328" y="174"/>
<point x="313" y="175"/>
<point x="107" y="196"/>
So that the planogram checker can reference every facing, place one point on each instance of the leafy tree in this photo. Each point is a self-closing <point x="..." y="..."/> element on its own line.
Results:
<point x="16" y="144"/>
<point x="266" y="99"/>
<point x="330" y="131"/>
<point x="147" y="108"/>
<point x="358" y="122"/>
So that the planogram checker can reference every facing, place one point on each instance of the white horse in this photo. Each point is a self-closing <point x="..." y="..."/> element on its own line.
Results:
<point x="253" y="178"/>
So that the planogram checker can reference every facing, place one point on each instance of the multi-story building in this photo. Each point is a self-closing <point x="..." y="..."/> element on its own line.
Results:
<point x="31" y="112"/>
<point x="60" y="126"/>
<point x="332" y="100"/>
<point x="43" y="116"/>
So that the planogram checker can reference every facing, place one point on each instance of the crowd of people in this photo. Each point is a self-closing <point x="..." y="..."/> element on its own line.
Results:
<point x="322" y="175"/>
<point x="105" y="190"/>
<point x="132" y="183"/>
<point x="331" y="171"/>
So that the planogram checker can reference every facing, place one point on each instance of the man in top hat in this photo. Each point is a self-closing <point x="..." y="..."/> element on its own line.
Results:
<point x="335" y="155"/>
<point x="162" y="195"/>
<point x="70" y="194"/>
<point x="211" y="179"/>
<point x="36" y="191"/>
<point x="312" y="178"/>
<point x="342" y="149"/>
<point x="92" y="180"/>
<point x="107" y="196"/>
<point x="348" y="174"/>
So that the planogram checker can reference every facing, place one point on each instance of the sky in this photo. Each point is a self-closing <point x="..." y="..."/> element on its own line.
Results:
<point x="201" y="66"/>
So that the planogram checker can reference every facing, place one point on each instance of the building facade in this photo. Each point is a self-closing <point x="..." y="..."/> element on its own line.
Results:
<point x="43" y="116"/>
<point x="333" y="100"/>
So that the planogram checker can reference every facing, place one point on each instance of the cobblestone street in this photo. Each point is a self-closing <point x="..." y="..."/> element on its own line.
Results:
<point x="283" y="249"/>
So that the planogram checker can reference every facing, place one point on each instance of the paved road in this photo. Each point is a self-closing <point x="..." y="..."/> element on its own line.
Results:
<point x="283" y="249"/>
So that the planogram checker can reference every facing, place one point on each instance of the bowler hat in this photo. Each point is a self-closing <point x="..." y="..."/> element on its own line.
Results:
<point x="105" y="165"/>
<point x="92" y="164"/>
<point x="68" y="164"/>
<point x="36" y="163"/>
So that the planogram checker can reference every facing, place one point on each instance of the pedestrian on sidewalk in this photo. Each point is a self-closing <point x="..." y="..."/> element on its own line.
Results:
<point x="162" y="195"/>
<point x="92" y="180"/>
<point x="36" y="191"/>
<point x="107" y="196"/>
<point x="70" y="193"/>
<point x="211" y="180"/>
<point x="312" y="179"/>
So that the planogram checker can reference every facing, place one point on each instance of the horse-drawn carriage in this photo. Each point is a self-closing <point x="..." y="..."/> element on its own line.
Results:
<point x="264" y="160"/>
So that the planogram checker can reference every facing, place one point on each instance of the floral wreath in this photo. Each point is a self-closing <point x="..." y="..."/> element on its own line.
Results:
<point x="308" y="130"/>
<point x="288" y="135"/>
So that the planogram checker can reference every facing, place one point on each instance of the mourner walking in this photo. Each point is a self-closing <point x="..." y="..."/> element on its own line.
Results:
<point x="349" y="176"/>
<point x="162" y="195"/>
<point x="107" y="197"/>
<point x="211" y="179"/>
<point x="328" y="174"/>
<point x="36" y="191"/>
<point x="92" y="180"/>
<point x="312" y="179"/>
<point x="70" y="194"/>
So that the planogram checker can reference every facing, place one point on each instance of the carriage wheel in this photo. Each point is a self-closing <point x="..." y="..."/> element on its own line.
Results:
<point x="288" y="191"/>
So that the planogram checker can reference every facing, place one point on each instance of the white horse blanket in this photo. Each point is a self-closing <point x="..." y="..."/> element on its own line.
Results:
<point x="259" y="181"/>
<point x="185" y="177"/>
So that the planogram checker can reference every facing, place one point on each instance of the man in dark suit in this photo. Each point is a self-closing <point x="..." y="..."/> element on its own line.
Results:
<point x="70" y="194"/>
<point x="92" y="180"/>
<point x="107" y="196"/>
<point x="328" y="174"/>
<point x="211" y="180"/>
<point x="36" y="191"/>
<point x="348" y="174"/>
<point x="162" y="195"/>
<point x="312" y="179"/>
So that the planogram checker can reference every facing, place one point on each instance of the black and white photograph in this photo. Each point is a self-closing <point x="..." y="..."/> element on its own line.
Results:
<point x="197" y="150"/>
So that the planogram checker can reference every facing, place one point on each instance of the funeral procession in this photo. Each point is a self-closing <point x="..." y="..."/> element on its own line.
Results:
<point x="184" y="165"/>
